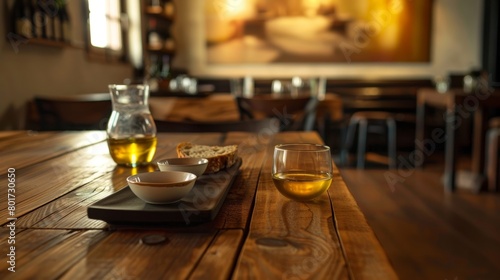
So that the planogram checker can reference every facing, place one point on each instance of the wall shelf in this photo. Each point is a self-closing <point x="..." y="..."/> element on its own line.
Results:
<point x="48" y="43"/>
<point x="21" y="28"/>
<point x="158" y="42"/>
<point x="161" y="14"/>
<point x="160" y="50"/>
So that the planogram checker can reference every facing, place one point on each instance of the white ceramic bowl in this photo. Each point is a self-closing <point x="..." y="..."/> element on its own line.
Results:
<point x="192" y="165"/>
<point x="161" y="187"/>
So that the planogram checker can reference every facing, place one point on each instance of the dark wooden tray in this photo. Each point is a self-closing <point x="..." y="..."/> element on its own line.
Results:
<point x="201" y="204"/>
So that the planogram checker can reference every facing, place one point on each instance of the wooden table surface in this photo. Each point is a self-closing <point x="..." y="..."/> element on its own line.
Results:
<point x="257" y="234"/>
<point x="222" y="107"/>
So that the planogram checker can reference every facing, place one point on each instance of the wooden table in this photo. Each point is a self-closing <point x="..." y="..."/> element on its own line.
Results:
<point x="257" y="234"/>
<point x="214" y="108"/>
<point x="222" y="107"/>
<point x="459" y="106"/>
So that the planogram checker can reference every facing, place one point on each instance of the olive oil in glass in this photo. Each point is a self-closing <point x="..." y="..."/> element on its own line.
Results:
<point x="131" y="129"/>
<point x="302" y="171"/>
<point x="301" y="185"/>
<point x="132" y="151"/>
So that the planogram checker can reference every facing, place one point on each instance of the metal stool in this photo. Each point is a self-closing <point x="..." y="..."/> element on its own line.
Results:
<point x="373" y="122"/>
<point x="492" y="154"/>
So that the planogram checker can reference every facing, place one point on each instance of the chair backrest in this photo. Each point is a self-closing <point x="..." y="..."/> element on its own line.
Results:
<point x="294" y="113"/>
<point x="74" y="112"/>
<point x="268" y="125"/>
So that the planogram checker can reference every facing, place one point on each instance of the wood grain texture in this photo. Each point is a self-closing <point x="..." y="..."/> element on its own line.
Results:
<point x="35" y="147"/>
<point x="41" y="183"/>
<point x="236" y="211"/>
<point x="298" y="240"/>
<point x="173" y="258"/>
<point x="365" y="255"/>
<point x="10" y="133"/>
<point x="428" y="232"/>
<point x="48" y="254"/>
<point x="219" y="259"/>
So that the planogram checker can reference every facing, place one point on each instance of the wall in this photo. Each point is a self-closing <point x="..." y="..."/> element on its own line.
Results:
<point x="39" y="70"/>
<point x="456" y="47"/>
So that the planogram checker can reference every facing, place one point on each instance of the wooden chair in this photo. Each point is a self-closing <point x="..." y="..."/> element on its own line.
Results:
<point x="268" y="125"/>
<point x="293" y="113"/>
<point x="73" y="112"/>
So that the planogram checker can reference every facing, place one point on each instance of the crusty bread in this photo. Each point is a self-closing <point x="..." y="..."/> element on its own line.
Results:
<point x="219" y="157"/>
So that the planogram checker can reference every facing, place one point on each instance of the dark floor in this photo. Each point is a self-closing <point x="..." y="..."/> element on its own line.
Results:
<point x="427" y="233"/>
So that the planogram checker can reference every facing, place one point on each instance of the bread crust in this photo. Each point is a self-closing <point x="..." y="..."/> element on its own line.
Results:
<point x="215" y="163"/>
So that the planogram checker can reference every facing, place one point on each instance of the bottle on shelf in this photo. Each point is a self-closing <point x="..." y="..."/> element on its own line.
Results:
<point x="169" y="40"/>
<point x="170" y="44"/>
<point x="153" y="72"/>
<point x="158" y="75"/>
<point x="164" y="75"/>
<point x="38" y="20"/>
<point x="49" y="11"/>
<point x="65" y="24"/>
<point x="22" y="19"/>
<point x="169" y="9"/>
<point x="165" y="67"/>
<point x="155" y="40"/>
<point x="154" y="6"/>
<point x="57" y="24"/>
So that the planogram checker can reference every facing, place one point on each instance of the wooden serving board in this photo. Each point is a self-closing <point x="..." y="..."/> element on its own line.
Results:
<point x="201" y="204"/>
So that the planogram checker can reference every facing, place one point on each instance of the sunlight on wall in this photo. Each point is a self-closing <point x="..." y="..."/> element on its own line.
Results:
<point x="97" y="18"/>
<point x="135" y="45"/>
<point x="105" y="29"/>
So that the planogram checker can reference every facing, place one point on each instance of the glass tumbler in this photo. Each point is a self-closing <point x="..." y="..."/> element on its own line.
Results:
<point x="131" y="131"/>
<point x="302" y="171"/>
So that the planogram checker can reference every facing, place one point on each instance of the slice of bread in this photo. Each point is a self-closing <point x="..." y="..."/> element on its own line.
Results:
<point x="219" y="157"/>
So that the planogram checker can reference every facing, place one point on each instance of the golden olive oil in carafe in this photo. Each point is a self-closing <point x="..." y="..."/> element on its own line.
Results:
<point x="301" y="185"/>
<point x="132" y="151"/>
<point x="131" y="128"/>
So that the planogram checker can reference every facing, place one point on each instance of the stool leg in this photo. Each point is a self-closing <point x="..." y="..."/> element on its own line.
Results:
<point x="491" y="152"/>
<point x="496" y="155"/>
<point x="391" y="149"/>
<point x="363" y="130"/>
<point x="343" y="144"/>
<point x="351" y="130"/>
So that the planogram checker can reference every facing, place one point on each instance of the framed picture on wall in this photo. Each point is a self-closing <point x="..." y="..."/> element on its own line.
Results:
<point x="317" y="31"/>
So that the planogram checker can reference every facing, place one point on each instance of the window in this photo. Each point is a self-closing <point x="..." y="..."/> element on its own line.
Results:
<point x="107" y="32"/>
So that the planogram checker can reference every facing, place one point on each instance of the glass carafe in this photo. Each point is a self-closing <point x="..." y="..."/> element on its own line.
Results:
<point x="131" y="129"/>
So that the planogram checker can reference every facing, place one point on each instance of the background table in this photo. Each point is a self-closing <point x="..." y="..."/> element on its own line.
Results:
<point x="459" y="106"/>
<point x="257" y="234"/>
<point x="222" y="107"/>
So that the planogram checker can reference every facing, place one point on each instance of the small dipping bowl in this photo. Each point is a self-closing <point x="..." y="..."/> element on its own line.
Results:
<point x="192" y="165"/>
<point x="161" y="187"/>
